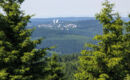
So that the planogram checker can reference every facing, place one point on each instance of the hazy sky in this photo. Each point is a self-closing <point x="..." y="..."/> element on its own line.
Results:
<point x="71" y="8"/>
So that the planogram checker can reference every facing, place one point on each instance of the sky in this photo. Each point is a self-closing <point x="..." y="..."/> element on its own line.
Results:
<point x="71" y="8"/>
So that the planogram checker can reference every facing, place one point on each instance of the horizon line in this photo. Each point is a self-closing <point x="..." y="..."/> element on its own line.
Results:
<point x="70" y="17"/>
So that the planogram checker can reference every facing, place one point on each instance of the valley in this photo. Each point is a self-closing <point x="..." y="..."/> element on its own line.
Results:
<point x="68" y="34"/>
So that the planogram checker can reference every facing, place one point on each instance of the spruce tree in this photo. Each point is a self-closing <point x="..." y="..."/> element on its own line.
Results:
<point x="126" y="44"/>
<point x="54" y="69"/>
<point x="19" y="58"/>
<point x="107" y="59"/>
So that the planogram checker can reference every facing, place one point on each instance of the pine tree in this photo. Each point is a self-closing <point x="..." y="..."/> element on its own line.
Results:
<point x="19" y="58"/>
<point x="54" y="69"/>
<point x="127" y="77"/>
<point x="126" y="44"/>
<point x="105" y="61"/>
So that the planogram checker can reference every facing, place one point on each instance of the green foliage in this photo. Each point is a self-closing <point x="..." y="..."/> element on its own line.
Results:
<point x="70" y="61"/>
<point x="127" y="77"/>
<point x="126" y="45"/>
<point x="54" y="69"/>
<point x="108" y="60"/>
<point x="19" y="60"/>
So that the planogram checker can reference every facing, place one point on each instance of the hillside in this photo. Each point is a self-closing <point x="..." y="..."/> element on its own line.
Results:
<point x="68" y="34"/>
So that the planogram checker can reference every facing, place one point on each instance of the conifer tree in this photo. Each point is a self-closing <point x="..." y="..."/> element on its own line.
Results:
<point x="126" y="44"/>
<point x="127" y="77"/>
<point x="19" y="58"/>
<point x="54" y="69"/>
<point x="105" y="61"/>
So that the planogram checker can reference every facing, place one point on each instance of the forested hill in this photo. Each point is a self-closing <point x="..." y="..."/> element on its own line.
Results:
<point x="68" y="34"/>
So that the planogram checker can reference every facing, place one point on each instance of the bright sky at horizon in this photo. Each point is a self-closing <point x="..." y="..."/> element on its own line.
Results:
<point x="71" y="8"/>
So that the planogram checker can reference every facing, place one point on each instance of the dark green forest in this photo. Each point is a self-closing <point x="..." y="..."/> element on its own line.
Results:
<point x="81" y="48"/>
<point x="66" y="41"/>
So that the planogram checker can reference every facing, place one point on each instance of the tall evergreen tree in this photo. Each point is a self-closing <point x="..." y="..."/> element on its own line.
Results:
<point x="19" y="58"/>
<point x="126" y="45"/>
<point x="54" y="69"/>
<point x="105" y="61"/>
